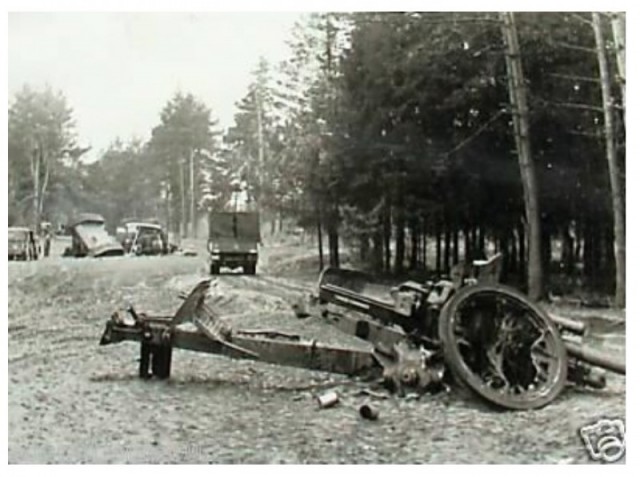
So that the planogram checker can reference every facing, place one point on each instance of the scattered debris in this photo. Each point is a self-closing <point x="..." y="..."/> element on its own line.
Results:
<point x="300" y="308"/>
<point x="373" y="394"/>
<point x="186" y="252"/>
<point x="369" y="413"/>
<point x="328" y="400"/>
<point x="412" y="397"/>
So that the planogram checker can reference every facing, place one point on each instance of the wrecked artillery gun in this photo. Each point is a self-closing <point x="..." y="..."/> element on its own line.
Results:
<point x="467" y="330"/>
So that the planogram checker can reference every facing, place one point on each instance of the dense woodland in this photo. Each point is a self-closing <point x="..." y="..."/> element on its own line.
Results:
<point x="413" y="141"/>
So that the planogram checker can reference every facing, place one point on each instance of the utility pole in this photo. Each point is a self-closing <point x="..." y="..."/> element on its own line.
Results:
<point x="614" y="175"/>
<point x="520" y="113"/>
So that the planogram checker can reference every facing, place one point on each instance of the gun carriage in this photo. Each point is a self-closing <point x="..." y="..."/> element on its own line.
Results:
<point x="466" y="330"/>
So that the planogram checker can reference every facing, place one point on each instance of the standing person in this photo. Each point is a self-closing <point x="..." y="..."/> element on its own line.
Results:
<point x="32" y="246"/>
<point x="47" y="241"/>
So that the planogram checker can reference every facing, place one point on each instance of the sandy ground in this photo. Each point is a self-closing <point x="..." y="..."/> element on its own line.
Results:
<point x="72" y="401"/>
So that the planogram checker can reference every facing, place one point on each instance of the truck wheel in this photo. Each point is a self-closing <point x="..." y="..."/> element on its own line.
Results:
<point x="214" y="269"/>
<point x="249" y="269"/>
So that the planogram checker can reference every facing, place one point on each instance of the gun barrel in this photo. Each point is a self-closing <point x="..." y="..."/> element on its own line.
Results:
<point x="595" y="358"/>
<point x="576" y="327"/>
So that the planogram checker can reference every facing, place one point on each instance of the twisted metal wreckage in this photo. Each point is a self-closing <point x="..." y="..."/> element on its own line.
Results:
<point x="467" y="330"/>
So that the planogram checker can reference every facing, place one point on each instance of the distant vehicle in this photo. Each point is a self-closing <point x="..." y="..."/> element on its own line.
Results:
<point x="22" y="244"/>
<point x="233" y="240"/>
<point x="89" y="238"/>
<point x="143" y="238"/>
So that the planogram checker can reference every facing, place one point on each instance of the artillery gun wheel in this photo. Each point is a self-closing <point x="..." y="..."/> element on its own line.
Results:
<point x="503" y="346"/>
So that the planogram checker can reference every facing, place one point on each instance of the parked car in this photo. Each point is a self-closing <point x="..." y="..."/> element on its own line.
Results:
<point x="22" y="244"/>
<point x="143" y="238"/>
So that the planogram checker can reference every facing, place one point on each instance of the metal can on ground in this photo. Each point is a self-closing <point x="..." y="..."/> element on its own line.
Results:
<point x="327" y="400"/>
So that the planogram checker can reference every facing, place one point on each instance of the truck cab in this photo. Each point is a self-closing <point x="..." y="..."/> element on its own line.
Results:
<point x="233" y="240"/>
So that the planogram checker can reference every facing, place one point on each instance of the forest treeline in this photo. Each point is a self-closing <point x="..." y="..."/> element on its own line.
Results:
<point x="414" y="140"/>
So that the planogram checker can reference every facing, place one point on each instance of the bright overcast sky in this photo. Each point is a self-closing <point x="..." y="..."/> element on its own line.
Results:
<point x="117" y="70"/>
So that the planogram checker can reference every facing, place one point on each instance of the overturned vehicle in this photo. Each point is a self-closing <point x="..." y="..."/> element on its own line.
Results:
<point x="89" y="238"/>
<point x="467" y="331"/>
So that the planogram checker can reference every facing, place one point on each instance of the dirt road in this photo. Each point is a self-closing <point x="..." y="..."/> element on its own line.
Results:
<point x="71" y="401"/>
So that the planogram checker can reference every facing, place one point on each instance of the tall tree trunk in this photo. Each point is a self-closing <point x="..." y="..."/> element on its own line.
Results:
<point x="192" y="195"/>
<point x="334" y="239"/>
<point x="597" y="254"/>
<point x="387" y="237"/>
<point x="568" y="257"/>
<point x="456" y="243"/>
<point x="258" y="100"/>
<point x="546" y="248"/>
<point x="364" y="247"/>
<point x="319" y="231"/>
<point x="36" y="158"/>
<point x="504" y="250"/>
<point x="578" y="253"/>
<point x="438" y="250"/>
<point x="609" y="271"/>
<point x="619" y="37"/>
<point x="513" y="251"/>
<point x="170" y="224"/>
<point x="522" y="257"/>
<point x="415" y="244"/>
<point x="473" y="243"/>
<point x="423" y="244"/>
<point x="587" y="252"/>
<point x="378" y="261"/>
<point x="520" y="112"/>
<point x="447" y="248"/>
<point x="43" y="190"/>
<point x="400" y="239"/>
<point x="614" y="175"/>
<point x="182" y="202"/>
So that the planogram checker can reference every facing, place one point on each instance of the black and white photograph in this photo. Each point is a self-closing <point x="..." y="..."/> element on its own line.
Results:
<point x="334" y="236"/>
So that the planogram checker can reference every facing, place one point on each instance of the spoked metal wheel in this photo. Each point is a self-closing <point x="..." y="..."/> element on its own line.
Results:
<point x="504" y="347"/>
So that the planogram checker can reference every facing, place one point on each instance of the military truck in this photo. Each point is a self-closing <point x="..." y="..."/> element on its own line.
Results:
<point x="233" y="240"/>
